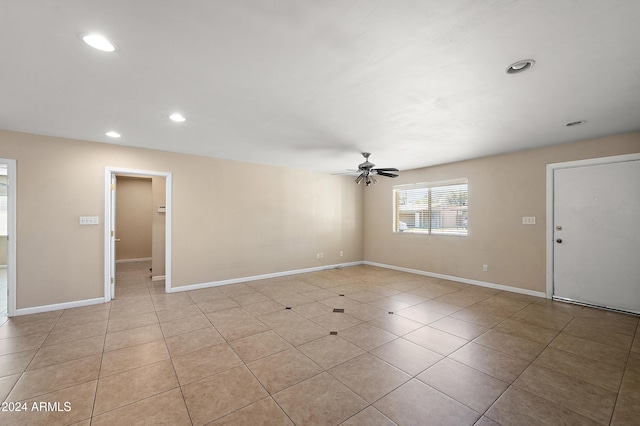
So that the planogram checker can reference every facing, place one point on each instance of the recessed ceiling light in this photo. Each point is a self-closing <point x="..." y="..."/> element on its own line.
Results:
<point x="177" y="117"/>
<point x="520" y="66"/>
<point x="575" y="123"/>
<point x="99" y="42"/>
<point x="113" y="134"/>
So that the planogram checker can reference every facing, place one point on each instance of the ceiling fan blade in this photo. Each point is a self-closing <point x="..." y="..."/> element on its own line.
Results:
<point x="388" y="169"/>
<point x="391" y="175"/>
<point x="350" y="172"/>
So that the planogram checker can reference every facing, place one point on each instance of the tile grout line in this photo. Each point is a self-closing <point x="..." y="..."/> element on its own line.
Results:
<point x="624" y="373"/>
<point x="104" y="344"/>
<point x="34" y="355"/>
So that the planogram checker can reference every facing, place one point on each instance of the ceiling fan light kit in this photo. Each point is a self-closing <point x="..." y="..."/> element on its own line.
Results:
<point x="367" y="171"/>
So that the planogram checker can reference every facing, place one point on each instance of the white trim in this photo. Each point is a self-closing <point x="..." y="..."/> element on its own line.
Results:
<point x="58" y="306"/>
<point x="12" y="202"/>
<point x="158" y="278"/>
<point x="459" y="279"/>
<point x="108" y="172"/>
<point x="262" y="277"/>
<point x="549" y="233"/>
<point x="107" y="235"/>
<point x="421" y="185"/>
<point x="551" y="168"/>
<point x="141" y="259"/>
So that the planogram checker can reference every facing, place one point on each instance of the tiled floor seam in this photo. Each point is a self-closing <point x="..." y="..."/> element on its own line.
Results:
<point x="618" y="393"/>
<point x="512" y="384"/>
<point x="515" y="379"/>
<point x="95" y="396"/>
<point x="34" y="356"/>
<point x="180" y="387"/>
<point x="485" y="414"/>
<point x="271" y="395"/>
<point x="130" y="403"/>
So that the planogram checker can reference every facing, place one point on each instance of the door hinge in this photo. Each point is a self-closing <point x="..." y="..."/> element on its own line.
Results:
<point x="112" y="281"/>
<point x="112" y="233"/>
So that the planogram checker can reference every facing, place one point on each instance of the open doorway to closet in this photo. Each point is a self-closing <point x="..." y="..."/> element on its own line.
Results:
<point x="134" y="219"/>
<point x="137" y="231"/>
<point x="135" y="235"/>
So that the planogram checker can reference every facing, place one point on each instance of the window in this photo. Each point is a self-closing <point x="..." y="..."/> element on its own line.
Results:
<point x="438" y="208"/>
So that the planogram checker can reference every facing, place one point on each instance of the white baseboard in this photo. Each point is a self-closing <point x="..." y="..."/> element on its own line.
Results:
<point x="262" y="277"/>
<point x="158" y="278"/>
<point x="58" y="306"/>
<point x="141" y="259"/>
<point x="87" y="302"/>
<point x="461" y="280"/>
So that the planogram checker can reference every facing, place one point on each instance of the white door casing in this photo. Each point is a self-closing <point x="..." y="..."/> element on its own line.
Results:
<point x="593" y="235"/>
<point x="112" y="236"/>
<point x="11" y="234"/>
<point x="109" y="213"/>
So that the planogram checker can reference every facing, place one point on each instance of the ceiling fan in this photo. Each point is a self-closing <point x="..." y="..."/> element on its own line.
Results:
<point x="367" y="171"/>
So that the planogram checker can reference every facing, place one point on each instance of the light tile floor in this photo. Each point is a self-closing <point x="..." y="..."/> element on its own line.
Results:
<point x="408" y="350"/>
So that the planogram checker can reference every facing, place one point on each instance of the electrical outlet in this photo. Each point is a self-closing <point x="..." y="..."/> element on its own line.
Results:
<point x="317" y="255"/>
<point x="485" y="268"/>
<point x="341" y="253"/>
<point x="528" y="220"/>
<point x="321" y="255"/>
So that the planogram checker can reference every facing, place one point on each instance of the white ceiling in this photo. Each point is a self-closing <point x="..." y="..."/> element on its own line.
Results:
<point x="310" y="84"/>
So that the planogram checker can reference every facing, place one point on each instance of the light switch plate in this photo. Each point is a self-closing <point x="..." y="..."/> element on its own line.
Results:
<point x="528" y="220"/>
<point x="89" y="220"/>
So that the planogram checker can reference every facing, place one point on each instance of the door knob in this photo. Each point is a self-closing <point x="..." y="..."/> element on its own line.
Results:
<point x="117" y="240"/>
<point x="559" y="240"/>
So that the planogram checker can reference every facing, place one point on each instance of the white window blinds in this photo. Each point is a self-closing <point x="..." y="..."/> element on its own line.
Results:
<point x="432" y="208"/>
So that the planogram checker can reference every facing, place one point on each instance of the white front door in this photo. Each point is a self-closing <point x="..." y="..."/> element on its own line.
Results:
<point x="596" y="234"/>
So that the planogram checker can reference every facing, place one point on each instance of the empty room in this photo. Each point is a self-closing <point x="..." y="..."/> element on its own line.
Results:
<point x="320" y="212"/>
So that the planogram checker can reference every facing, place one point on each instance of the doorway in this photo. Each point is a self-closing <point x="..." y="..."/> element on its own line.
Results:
<point x="161" y="185"/>
<point x="135" y="236"/>
<point x="7" y="238"/>
<point x="593" y="235"/>
<point x="134" y="219"/>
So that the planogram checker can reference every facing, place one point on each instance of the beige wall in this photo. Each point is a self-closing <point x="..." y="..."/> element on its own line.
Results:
<point x="502" y="189"/>
<point x="158" y="225"/>
<point x="133" y="217"/>
<point x="230" y="219"/>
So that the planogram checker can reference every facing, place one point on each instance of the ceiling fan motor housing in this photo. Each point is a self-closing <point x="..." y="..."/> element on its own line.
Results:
<point x="367" y="165"/>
